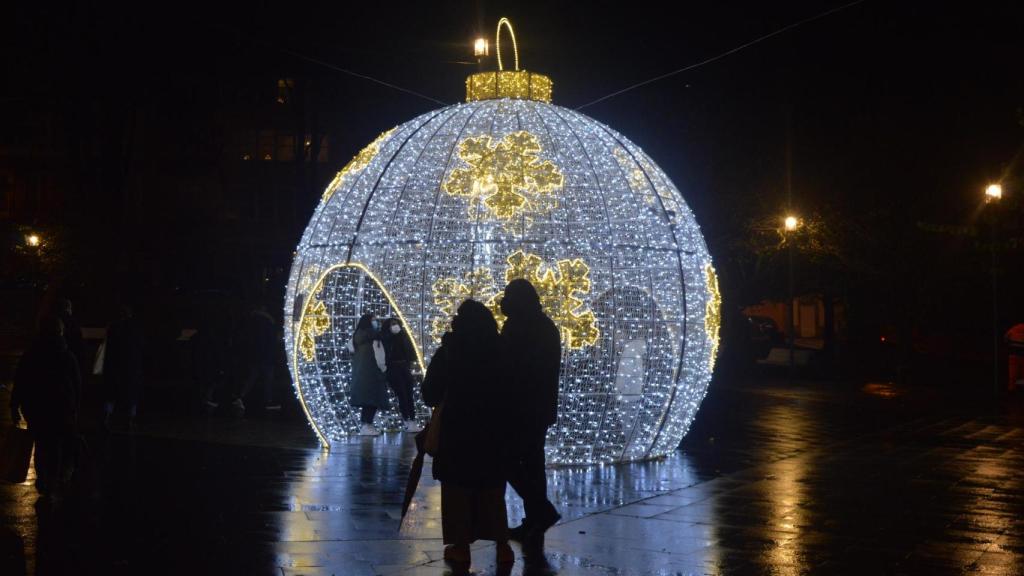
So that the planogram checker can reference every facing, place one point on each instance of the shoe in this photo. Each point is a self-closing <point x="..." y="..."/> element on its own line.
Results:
<point x="519" y="533"/>
<point x="457" y="555"/>
<point x="505" y="554"/>
<point x="237" y="403"/>
<point x="413" y="426"/>
<point x="368" y="430"/>
<point x="526" y="530"/>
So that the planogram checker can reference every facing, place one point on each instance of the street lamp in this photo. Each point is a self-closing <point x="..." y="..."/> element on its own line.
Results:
<point x="480" y="47"/>
<point x="791" y="223"/>
<point x="993" y="194"/>
<point x="32" y="240"/>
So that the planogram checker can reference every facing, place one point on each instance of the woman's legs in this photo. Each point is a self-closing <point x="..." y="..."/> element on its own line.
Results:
<point x="401" y="383"/>
<point x="367" y="414"/>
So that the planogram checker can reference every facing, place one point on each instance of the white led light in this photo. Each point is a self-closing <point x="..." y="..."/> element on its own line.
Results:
<point x="420" y="221"/>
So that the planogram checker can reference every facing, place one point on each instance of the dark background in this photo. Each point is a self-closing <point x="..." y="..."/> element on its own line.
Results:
<point x="124" y="131"/>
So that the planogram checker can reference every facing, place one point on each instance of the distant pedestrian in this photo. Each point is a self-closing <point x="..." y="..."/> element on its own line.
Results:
<point x="72" y="331"/>
<point x="466" y="380"/>
<point x="257" y="344"/>
<point x="123" y="367"/>
<point x="210" y="359"/>
<point x="47" y="390"/>
<point x="534" y="346"/>
<point x="369" y="384"/>
<point x="401" y="356"/>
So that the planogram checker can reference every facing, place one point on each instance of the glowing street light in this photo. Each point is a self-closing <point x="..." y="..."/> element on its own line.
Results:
<point x="32" y="240"/>
<point x="993" y="192"/>
<point x="480" y="47"/>
<point x="791" y="223"/>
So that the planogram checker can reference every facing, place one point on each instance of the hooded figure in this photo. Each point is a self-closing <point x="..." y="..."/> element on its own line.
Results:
<point x="47" y="390"/>
<point x="534" y="346"/>
<point x="369" y="385"/>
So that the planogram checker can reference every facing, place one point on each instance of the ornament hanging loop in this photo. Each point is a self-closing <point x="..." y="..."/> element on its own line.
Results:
<point x="497" y="42"/>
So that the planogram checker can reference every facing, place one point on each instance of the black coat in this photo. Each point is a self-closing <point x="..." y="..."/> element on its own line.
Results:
<point x="534" y="346"/>
<point x="47" y="386"/>
<point x="470" y="378"/>
<point x="398" y="350"/>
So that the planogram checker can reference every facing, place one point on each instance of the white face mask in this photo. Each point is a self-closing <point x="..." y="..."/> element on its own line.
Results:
<point x="395" y="328"/>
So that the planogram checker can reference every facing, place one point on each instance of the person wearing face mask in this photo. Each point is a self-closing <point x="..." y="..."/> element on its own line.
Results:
<point x="400" y="357"/>
<point x="369" y="385"/>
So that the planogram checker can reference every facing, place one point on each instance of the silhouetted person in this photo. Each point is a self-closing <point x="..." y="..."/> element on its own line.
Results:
<point x="400" y="357"/>
<point x="72" y="331"/>
<point x="369" y="384"/>
<point x="258" y="343"/>
<point x="467" y="374"/>
<point x="210" y="358"/>
<point x="47" y="390"/>
<point x="534" y="346"/>
<point x="122" y="366"/>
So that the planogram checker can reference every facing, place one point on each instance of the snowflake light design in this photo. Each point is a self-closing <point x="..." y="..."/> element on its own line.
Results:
<point x="315" y="322"/>
<point x="559" y="287"/>
<point x="506" y="178"/>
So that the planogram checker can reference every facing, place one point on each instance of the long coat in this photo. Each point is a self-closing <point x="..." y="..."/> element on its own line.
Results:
<point x="47" y="387"/>
<point x="534" y="346"/>
<point x="475" y="428"/>
<point x="369" y="385"/>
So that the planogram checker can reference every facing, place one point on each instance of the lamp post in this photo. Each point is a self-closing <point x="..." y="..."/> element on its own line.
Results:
<point x="790" y="224"/>
<point x="481" y="49"/>
<point x="993" y="194"/>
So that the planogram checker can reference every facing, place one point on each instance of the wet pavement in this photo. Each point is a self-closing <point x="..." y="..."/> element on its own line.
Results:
<point x="808" y="478"/>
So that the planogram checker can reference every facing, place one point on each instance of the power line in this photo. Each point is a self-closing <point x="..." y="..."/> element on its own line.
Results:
<point x="723" y="54"/>
<point x="358" y="75"/>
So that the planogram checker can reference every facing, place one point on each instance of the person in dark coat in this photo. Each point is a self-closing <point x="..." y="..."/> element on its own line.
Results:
<point x="467" y="376"/>
<point x="210" y="366"/>
<point x="122" y="366"/>
<point x="72" y="331"/>
<point x="258" y="344"/>
<point x="400" y="358"/>
<point x="47" y="390"/>
<point x="534" y="346"/>
<point x="369" y="384"/>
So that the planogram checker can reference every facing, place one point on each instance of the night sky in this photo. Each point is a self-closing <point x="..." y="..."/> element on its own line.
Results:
<point x="887" y="115"/>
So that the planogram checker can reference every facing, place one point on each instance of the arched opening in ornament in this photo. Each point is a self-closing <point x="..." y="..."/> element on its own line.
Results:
<point x="616" y="392"/>
<point x="323" y="353"/>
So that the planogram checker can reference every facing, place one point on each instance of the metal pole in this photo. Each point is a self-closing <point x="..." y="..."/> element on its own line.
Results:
<point x="792" y="312"/>
<point x="995" y="304"/>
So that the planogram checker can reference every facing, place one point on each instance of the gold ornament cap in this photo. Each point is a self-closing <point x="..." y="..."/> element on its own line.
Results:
<point x="508" y="83"/>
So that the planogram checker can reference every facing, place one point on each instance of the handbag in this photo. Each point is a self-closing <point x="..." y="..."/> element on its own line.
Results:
<point x="15" y="453"/>
<point x="433" y="431"/>
<point x="379" y="355"/>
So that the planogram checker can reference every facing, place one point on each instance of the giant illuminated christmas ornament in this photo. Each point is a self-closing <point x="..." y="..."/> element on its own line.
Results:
<point x="459" y="201"/>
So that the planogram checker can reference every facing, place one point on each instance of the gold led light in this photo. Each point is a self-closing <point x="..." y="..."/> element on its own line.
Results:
<point x="712" y="311"/>
<point x="559" y="287"/>
<point x="508" y="83"/>
<point x="506" y="177"/>
<point x="356" y="164"/>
